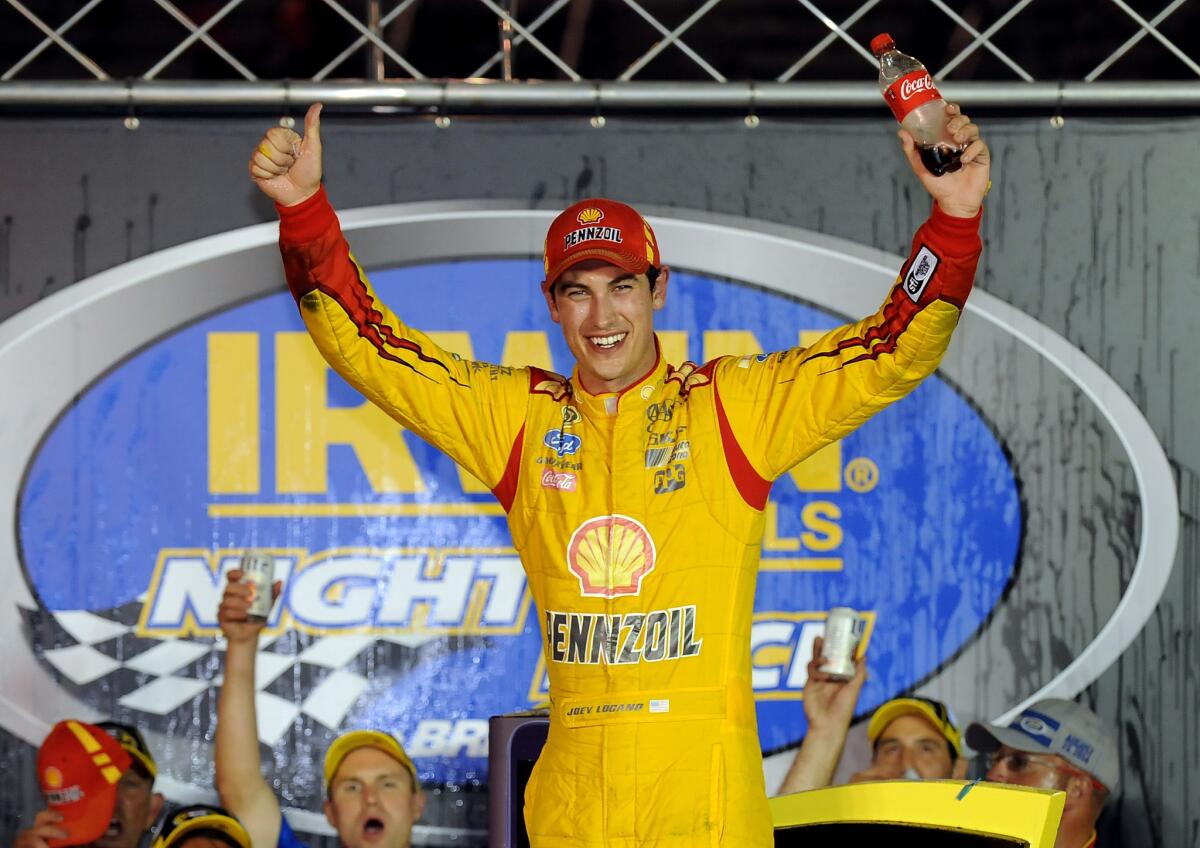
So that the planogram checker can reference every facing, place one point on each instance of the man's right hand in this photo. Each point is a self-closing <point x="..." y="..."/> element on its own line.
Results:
<point x="234" y="613"/>
<point x="287" y="167"/>
<point x="829" y="701"/>
<point x="44" y="828"/>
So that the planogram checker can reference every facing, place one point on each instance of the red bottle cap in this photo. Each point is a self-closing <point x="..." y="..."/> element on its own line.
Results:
<point x="882" y="42"/>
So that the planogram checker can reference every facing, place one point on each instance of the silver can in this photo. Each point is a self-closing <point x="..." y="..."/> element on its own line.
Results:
<point x="843" y="632"/>
<point x="258" y="571"/>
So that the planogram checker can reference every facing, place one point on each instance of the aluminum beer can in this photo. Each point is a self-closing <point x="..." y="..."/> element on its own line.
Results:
<point x="258" y="570"/>
<point x="843" y="632"/>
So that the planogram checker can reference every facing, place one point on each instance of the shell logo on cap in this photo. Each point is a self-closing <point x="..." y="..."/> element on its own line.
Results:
<point x="590" y="215"/>
<point x="52" y="778"/>
<point x="610" y="555"/>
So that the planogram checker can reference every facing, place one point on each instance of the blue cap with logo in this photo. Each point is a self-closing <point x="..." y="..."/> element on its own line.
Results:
<point x="1057" y="726"/>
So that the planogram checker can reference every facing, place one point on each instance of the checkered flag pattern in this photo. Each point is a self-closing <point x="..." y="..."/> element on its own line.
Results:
<point x="306" y="684"/>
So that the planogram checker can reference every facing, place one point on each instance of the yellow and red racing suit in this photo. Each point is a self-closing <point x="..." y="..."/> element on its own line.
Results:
<point x="638" y="517"/>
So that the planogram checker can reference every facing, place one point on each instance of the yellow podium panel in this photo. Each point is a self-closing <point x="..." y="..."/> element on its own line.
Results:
<point x="931" y="813"/>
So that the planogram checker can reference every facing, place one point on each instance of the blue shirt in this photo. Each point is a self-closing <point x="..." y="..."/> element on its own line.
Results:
<point x="287" y="836"/>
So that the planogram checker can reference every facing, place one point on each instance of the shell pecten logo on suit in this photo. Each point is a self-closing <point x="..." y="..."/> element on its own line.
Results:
<point x="610" y="555"/>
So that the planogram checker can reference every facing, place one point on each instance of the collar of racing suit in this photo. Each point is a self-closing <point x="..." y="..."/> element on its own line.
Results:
<point x="637" y="395"/>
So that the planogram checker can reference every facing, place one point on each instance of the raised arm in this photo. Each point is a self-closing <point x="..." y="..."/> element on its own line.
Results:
<point x="784" y="407"/>
<point x="240" y="783"/>
<point x="473" y="411"/>
<point x="828" y="705"/>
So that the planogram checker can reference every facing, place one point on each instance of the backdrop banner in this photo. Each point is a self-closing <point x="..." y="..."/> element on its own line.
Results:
<point x="179" y="415"/>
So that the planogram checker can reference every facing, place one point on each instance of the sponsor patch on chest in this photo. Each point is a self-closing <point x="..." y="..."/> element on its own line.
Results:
<point x="582" y="638"/>
<point x="564" y="481"/>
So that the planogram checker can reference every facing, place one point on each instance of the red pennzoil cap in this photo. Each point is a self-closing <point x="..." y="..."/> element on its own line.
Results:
<point x="599" y="228"/>
<point x="79" y="766"/>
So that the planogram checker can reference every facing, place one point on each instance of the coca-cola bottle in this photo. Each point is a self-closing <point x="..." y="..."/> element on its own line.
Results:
<point x="909" y="90"/>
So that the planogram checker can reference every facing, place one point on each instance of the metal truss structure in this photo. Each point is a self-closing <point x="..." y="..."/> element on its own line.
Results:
<point x="392" y="80"/>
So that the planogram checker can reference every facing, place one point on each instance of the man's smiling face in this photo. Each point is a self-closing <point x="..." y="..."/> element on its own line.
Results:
<point x="607" y="318"/>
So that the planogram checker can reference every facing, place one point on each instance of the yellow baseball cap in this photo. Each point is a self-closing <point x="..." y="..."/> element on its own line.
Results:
<point x="935" y="712"/>
<point x="202" y="819"/>
<point x="345" y="744"/>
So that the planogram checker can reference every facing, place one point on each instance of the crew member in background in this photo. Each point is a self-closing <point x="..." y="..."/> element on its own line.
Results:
<point x="635" y="490"/>
<point x="1056" y="744"/>
<point x="912" y="737"/>
<point x="372" y="793"/>
<point x="202" y="826"/>
<point x="98" y="782"/>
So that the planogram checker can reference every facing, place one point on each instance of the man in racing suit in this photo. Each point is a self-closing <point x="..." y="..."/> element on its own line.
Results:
<point x="635" y="489"/>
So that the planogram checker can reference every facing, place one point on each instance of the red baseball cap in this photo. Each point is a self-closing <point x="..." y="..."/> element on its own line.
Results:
<point x="599" y="228"/>
<point x="78" y="767"/>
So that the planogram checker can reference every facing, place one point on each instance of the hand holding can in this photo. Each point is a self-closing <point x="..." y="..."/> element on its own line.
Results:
<point x="843" y="633"/>
<point x="258" y="571"/>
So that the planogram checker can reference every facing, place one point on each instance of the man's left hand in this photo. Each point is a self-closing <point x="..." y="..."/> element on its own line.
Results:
<point x="961" y="192"/>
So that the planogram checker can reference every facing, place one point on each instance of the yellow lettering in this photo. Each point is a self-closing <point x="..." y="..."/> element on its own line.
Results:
<point x="823" y="533"/>
<point x="821" y="472"/>
<point x="233" y="444"/>
<point x="772" y="541"/>
<point x="305" y="426"/>
<point x="527" y="347"/>
<point x="674" y="346"/>
<point x="772" y="656"/>
<point x="729" y="343"/>
<point x="808" y="338"/>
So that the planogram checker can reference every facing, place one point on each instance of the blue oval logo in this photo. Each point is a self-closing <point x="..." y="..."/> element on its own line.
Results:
<point x="563" y="444"/>
<point x="405" y="606"/>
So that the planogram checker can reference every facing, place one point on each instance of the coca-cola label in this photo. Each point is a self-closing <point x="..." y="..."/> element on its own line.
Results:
<point x="909" y="92"/>
<point x="562" y="480"/>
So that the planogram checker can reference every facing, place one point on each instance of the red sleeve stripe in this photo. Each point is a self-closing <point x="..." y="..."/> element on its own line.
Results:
<point x="506" y="490"/>
<point x="956" y="244"/>
<point x="356" y="302"/>
<point x="314" y="220"/>
<point x="368" y="332"/>
<point x="753" y="487"/>
<point x="898" y="314"/>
